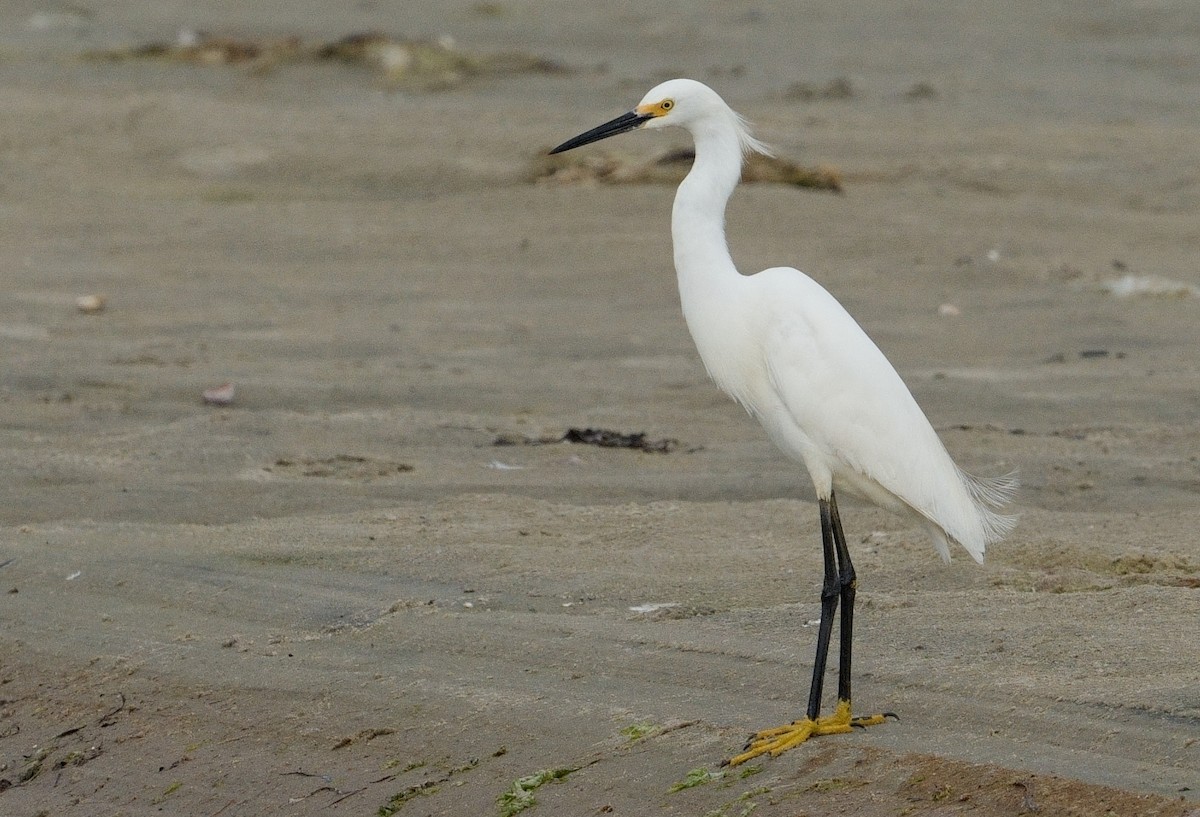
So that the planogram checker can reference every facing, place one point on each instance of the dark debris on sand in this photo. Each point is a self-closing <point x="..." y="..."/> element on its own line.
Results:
<point x="602" y="437"/>
<point x="427" y="65"/>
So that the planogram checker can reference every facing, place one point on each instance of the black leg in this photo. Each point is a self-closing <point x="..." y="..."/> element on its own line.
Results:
<point x="847" y="584"/>
<point x="838" y="587"/>
<point x="830" y="591"/>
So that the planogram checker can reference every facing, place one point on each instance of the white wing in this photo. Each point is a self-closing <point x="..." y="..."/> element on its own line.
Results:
<point x="849" y="406"/>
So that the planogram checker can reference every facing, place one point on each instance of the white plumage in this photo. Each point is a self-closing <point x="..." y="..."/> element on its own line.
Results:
<point x="785" y="349"/>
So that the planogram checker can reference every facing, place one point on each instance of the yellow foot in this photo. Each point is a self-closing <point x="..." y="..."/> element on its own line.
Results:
<point x="778" y="740"/>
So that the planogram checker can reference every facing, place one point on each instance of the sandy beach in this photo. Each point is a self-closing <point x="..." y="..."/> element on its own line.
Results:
<point x="329" y="590"/>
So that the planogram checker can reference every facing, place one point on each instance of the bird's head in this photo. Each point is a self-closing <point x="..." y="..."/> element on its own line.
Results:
<point x="683" y="102"/>
<point x="678" y="102"/>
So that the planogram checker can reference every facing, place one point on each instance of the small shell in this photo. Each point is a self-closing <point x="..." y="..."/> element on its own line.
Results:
<point x="219" y="396"/>
<point x="653" y="607"/>
<point x="496" y="465"/>
<point x="91" y="304"/>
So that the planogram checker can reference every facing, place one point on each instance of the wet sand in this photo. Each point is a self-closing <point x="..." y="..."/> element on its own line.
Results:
<point x="336" y="594"/>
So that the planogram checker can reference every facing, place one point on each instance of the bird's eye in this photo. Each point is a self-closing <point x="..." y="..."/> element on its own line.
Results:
<point x="666" y="105"/>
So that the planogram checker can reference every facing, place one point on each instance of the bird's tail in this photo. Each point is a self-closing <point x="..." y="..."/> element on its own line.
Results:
<point x="989" y="495"/>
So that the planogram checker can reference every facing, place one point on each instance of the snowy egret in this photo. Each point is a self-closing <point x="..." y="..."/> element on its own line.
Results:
<point x="785" y="349"/>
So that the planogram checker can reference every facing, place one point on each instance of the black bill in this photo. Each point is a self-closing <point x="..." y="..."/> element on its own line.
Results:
<point x="622" y="124"/>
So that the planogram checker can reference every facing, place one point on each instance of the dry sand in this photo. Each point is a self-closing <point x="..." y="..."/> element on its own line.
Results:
<point x="335" y="595"/>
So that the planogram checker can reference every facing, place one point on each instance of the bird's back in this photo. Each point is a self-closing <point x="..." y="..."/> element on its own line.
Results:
<point x="829" y="397"/>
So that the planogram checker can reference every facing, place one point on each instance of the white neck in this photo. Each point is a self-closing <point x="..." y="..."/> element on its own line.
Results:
<point x="702" y="261"/>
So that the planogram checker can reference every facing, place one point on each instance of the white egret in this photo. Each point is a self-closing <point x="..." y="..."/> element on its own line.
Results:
<point x="785" y="349"/>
